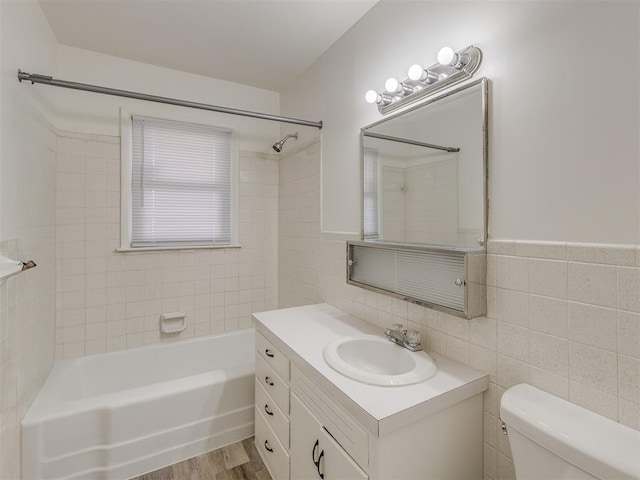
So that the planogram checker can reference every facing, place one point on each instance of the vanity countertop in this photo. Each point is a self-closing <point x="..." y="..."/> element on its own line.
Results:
<point x="301" y="333"/>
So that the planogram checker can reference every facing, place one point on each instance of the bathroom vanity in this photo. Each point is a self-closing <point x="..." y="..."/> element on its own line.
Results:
<point x="313" y="422"/>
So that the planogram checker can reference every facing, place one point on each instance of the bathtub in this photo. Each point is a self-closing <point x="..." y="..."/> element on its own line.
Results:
<point x="122" y="414"/>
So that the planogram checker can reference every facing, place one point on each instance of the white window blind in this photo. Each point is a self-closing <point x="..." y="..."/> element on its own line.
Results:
<point x="370" y="190"/>
<point x="181" y="184"/>
<point x="422" y="275"/>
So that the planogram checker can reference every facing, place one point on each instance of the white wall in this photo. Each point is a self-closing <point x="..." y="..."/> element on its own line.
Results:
<point x="94" y="113"/>
<point x="27" y="221"/>
<point x="563" y="109"/>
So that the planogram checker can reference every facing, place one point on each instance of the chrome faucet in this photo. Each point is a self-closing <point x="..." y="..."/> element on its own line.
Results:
<point x="409" y="339"/>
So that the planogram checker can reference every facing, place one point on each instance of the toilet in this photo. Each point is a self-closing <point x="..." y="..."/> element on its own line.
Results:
<point x="551" y="438"/>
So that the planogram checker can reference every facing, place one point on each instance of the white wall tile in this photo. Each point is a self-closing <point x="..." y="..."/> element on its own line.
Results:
<point x="512" y="273"/>
<point x="594" y="399"/>
<point x="548" y="278"/>
<point x="594" y="284"/>
<point x="548" y="315"/>
<point x="593" y="367"/>
<point x="593" y="325"/>
<point x="549" y="353"/>
<point x="629" y="289"/>
<point x="629" y="378"/>
<point x="604" y="254"/>
<point x="629" y="334"/>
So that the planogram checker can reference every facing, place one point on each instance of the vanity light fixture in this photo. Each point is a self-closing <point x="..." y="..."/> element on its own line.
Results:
<point x="452" y="67"/>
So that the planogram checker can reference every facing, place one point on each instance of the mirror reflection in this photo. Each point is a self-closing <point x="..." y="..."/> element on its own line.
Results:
<point x="424" y="173"/>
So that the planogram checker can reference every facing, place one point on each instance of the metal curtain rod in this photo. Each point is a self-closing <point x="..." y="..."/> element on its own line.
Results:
<point x="47" y="80"/>
<point x="410" y="142"/>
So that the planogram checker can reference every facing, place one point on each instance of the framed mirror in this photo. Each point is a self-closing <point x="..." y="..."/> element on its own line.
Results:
<point x="424" y="172"/>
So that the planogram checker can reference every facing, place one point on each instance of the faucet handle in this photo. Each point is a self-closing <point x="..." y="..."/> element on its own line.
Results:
<point x="398" y="327"/>
<point x="413" y="337"/>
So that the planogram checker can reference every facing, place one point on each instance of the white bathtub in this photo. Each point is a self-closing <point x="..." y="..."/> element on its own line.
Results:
<point x="121" y="414"/>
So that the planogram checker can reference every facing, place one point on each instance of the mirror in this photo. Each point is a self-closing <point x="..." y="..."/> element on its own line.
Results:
<point x="424" y="172"/>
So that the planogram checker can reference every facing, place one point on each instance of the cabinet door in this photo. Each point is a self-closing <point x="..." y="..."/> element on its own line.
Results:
<point x="305" y="441"/>
<point x="315" y="455"/>
<point x="336" y="464"/>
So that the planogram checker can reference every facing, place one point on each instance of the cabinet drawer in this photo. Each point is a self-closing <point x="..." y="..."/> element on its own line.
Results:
<point x="274" y="385"/>
<point x="273" y="356"/>
<point x="349" y="434"/>
<point x="271" y="450"/>
<point x="276" y="419"/>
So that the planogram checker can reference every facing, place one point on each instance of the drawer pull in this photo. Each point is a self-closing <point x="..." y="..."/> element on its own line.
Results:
<point x="266" y="409"/>
<point x="268" y="353"/>
<point x="317" y="462"/>
<point x="266" y="445"/>
<point x="268" y="381"/>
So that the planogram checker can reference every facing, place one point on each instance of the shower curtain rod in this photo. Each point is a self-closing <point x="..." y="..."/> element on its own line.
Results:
<point x="408" y="141"/>
<point x="48" y="80"/>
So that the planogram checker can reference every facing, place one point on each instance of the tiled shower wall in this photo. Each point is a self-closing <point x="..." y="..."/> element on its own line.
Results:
<point x="111" y="301"/>
<point x="27" y="301"/>
<point x="563" y="317"/>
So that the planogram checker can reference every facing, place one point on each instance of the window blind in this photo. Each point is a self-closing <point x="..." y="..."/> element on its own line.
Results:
<point x="370" y="190"/>
<point x="422" y="275"/>
<point x="181" y="183"/>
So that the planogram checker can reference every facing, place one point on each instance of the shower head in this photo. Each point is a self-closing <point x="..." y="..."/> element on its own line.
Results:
<point x="278" y="145"/>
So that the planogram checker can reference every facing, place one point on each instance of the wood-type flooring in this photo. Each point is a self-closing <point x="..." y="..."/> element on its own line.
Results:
<point x="239" y="461"/>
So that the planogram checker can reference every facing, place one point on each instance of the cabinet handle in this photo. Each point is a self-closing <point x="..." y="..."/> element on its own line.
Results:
<point x="266" y="409"/>
<point x="268" y="381"/>
<point x="268" y="353"/>
<point x="318" y="464"/>
<point x="313" y="457"/>
<point x="266" y="445"/>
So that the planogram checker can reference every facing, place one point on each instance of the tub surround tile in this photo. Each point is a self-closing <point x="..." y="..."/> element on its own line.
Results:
<point x="629" y="413"/>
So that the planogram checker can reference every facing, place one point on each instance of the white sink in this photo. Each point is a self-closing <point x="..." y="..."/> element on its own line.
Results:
<point x="376" y="361"/>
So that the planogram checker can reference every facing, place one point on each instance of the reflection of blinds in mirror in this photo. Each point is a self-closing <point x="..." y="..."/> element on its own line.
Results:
<point x="370" y="193"/>
<point x="421" y="275"/>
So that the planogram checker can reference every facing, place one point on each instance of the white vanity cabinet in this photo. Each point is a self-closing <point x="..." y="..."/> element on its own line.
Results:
<point x="313" y="423"/>
<point x="314" y="452"/>
<point x="272" y="407"/>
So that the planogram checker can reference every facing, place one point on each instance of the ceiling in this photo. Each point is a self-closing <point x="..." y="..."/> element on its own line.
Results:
<point x="263" y="43"/>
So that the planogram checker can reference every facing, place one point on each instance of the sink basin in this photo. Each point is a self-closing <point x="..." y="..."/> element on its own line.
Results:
<point x="376" y="361"/>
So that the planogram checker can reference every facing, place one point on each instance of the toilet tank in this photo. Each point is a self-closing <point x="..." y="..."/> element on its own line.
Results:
<point x="551" y="438"/>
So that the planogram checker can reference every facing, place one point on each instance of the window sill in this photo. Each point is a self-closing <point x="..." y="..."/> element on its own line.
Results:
<point x="161" y="249"/>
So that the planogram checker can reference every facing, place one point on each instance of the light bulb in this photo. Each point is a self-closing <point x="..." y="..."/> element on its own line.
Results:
<point x="371" y="96"/>
<point x="416" y="72"/>
<point x="419" y="74"/>
<point x="392" y="85"/>
<point x="446" y="56"/>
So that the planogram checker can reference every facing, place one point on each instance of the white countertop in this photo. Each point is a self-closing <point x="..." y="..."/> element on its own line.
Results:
<point x="301" y="333"/>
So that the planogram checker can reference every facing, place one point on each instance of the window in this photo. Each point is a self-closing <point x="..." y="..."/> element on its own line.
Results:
<point x="370" y="193"/>
<point x="181" y="189"/>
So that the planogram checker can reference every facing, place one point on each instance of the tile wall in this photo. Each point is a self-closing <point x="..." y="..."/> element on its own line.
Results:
<point x="111" y="301"/>
<point x="27" y="300"/>
<point x="563" y="317"/>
